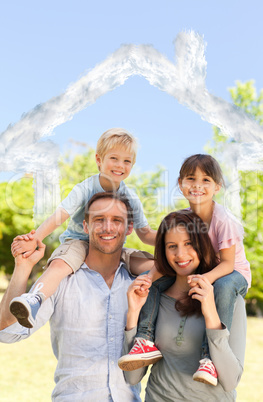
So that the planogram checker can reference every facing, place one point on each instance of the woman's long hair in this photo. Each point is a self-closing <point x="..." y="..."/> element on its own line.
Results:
<point x="200" y="240"/>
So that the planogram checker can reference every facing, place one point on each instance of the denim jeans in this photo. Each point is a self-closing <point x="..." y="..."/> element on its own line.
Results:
<point x="226" y="290"/>
<point x="149" y="312"/>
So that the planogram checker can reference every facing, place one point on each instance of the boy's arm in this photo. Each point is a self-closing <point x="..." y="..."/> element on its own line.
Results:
<point x="52" y="223"/>
<point x="146" y="235"/>
<point x="27" y="243"/>
<point x="18" y="282"/>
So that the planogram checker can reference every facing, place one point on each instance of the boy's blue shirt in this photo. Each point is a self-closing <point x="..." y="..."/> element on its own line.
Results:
<point x="77" y="199"/>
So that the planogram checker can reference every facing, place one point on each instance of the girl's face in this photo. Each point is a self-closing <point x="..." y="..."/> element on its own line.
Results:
<point x="198" y="187"/>
<point x="179" y="251"/>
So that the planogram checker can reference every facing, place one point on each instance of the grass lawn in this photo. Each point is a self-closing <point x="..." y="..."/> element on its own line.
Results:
<point x="27" y="368"/>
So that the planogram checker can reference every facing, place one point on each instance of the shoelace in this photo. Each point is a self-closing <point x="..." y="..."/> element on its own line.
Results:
<point x="33" y="298"/>
<point x="138" y="345"/>
<point x="206" y="363"/>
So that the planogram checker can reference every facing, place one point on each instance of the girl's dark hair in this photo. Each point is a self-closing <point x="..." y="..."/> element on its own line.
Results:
<point x="206" y="163"/>
<point x="200" y="240"/>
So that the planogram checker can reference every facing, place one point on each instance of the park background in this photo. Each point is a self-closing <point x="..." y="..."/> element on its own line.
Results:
<point x="44" y="48"/>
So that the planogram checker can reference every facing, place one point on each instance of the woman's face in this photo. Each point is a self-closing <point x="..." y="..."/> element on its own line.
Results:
<point x="179" y="251"/>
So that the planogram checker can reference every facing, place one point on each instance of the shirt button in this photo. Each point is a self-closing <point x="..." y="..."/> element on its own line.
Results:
<point x="110" y="317"/>
<point x="112" y="362"/>
<point x="111" y="339"/>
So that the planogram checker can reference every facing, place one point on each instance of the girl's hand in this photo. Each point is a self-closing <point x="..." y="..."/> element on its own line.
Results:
<point x="138" y="292"/>
<point x="202" y="290"/>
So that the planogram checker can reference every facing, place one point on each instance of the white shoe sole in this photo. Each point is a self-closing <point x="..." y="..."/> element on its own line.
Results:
<point x="205" y="378"/>
<point x="133" y="362"/>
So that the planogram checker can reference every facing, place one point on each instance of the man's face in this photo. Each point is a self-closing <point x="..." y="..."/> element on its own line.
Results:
<point x="107" y="225"/>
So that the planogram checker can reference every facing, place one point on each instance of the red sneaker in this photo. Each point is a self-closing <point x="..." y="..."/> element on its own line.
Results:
<point x="206" y="372"/>
<point x="143" y="353"/>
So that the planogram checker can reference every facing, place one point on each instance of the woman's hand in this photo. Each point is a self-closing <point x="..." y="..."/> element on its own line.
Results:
<point x="202" y="290"/>
<point x="138" y="292"/>
<point x="137" y="295"/>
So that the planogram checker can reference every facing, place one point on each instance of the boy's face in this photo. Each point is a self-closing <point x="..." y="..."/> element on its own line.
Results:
<point x="116" y="164"/>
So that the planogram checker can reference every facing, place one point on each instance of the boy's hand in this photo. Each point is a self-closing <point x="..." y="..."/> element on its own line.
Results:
<point x="34" y="257"/>
<point x="24" y="244"/>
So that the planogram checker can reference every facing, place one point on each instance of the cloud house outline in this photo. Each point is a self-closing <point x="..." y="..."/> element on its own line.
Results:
<point x="22" y="150"/>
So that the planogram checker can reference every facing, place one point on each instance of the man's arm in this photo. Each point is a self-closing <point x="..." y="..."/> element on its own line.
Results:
<point x="18" y="282"/>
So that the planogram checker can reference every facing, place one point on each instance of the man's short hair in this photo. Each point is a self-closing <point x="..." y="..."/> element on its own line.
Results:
<point x="113" y="196"/>
<point x="116" y="137"/>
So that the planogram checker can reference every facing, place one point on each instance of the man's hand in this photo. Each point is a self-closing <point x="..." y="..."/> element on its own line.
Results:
<point x="33" y="258"/>
<point x="24" y="244"/>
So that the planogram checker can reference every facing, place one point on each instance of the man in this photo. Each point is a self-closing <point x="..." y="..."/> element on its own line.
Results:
<point x="88" y="312"/>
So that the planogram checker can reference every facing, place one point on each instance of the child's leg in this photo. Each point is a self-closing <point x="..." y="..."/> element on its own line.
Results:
<point x="149" y="312"/>
<point x="226" y="290"/>
<point x="144" y="352"/>
<point x="65" y="260"/>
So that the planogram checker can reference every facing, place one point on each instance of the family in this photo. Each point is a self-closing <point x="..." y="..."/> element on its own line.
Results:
<point x="115" y="311"/>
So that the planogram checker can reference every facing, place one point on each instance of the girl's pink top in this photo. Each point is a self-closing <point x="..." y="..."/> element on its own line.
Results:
<point x="224" y="232"/>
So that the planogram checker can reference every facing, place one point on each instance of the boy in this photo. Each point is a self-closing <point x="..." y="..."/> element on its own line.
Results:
<point x="115" y="156"/>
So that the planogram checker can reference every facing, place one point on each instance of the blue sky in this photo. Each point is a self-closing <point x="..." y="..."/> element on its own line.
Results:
<point x="45" y="47"/>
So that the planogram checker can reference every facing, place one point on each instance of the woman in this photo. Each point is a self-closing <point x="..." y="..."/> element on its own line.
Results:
<point x="186" y="312"/>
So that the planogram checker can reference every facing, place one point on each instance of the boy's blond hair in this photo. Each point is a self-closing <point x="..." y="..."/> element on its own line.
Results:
<point x="116" y="137"/>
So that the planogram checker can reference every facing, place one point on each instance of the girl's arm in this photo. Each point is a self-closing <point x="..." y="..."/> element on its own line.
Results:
<point x="146" y="235"/>
<point x="225" y="267"/>
<point x="27" y="243"/>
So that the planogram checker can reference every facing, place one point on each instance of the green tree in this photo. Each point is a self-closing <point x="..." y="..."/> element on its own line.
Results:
<point x="245" y="96"/>
<point x="16" y="214"/>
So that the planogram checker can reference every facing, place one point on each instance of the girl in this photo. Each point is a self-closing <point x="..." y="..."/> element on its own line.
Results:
<point x="183" y="249"/>
<point x="200" y="179"/>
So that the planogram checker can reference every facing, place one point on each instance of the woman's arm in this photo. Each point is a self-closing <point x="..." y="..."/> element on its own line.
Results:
<point x="227" y="350"/>
<point x="137" y="294"/>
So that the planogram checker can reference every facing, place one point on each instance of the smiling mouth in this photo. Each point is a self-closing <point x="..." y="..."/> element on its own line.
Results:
<point x="183" y="264"/>
<point x="196" y="193"/>
<point x="108" y="237"/>
<point x="117" y="173"/>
